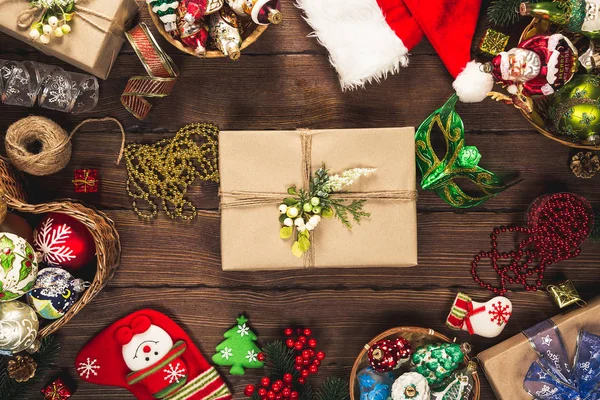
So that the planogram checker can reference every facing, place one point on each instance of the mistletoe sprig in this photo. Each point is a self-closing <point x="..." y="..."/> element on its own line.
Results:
<point x="53" y="20"/>
<point x="303" y="212"/>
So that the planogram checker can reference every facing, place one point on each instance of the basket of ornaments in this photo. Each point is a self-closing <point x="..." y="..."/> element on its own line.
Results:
<point x="552" y="74"/>
<point x="412" y="363"/>
<point x="213" y="28"/>
<point x="54" y="259"/>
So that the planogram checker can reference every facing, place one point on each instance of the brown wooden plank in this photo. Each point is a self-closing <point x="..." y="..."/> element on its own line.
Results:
<point x="346" y="320"/>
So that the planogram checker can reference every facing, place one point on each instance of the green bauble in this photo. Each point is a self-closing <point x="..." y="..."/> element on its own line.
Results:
<point x="437" y="361"/>
<point x="575" y="113"/>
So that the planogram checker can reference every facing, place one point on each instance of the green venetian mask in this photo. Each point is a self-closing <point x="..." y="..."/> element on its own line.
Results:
<point x="460" y="161"/>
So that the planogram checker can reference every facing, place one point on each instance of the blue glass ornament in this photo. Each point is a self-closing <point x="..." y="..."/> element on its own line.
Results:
<point x="375" y="385"/>
<point x="55" y="292"/>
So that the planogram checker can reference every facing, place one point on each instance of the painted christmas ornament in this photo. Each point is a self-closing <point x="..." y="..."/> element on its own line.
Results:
<point x="484" y="319"/>
<point x="575" y="112"/>
<point x="18" y="327"/>
<point x="55" y="292"/>
<point x="387" y="355"/>
<point x="64" y="242"/>
<point x="239" y="349"/>
<point x="410" y="386"/>
<point x="437" y="361"/>
<point x="374" y="385"/>
<point x="458" y="386"/>
<point x="18" y="266"/>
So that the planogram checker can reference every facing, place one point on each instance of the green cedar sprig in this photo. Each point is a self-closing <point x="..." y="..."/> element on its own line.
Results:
<point x="355" y="209"/>
<point x="11" y="389"/>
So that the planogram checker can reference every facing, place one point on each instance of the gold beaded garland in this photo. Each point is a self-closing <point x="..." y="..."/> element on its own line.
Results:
<point x="165" y="169"/>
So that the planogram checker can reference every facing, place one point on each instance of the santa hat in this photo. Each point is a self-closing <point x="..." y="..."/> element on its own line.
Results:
<point x="101" y="361"/>
<point x="367" y="39"/>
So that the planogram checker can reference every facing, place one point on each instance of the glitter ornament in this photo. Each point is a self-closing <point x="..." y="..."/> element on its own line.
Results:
<point x="166" y="11"/>
<point x="18" y="327"/>
<point x="387" y="355"/>
<point x="374" y="385"/>
<point x="63" y="241"/>
<point x="225" y="32"/>
<point x="55" y="292"/>
<point x="410" y="386"/>
<point x="458" y="386"/>
<point x="18" y="266"/>
<point x="437" y="361"/>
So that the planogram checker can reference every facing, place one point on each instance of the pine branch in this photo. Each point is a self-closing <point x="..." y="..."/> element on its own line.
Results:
<point x="505" y="12"/>
<point x="354" y="209"/>
<point x="333" y="388"/>
<point x="306" y="392"/>
<point x="279" y="359"/>
<point x="11" y="389"/>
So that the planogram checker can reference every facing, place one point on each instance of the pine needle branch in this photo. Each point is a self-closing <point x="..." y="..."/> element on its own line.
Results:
<point x="333" y="388"/>
<point x="505" y="12"/>
<point x="279" y="359"/>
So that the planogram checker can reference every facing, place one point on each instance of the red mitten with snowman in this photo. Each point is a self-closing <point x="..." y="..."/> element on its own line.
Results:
<point x="483" y="319"/>
<point x="152" y="357"/>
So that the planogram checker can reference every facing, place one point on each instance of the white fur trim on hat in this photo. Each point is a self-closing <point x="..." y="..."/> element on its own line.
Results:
<point x="362" y="46"/>
<point x="472" y="85"/>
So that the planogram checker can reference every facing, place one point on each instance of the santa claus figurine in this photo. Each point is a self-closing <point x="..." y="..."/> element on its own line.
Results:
<point x="150" y="354"/>
<point x="537" y="66"/>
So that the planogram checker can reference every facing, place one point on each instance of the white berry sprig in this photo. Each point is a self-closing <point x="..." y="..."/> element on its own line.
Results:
<point x="53" y="21"/>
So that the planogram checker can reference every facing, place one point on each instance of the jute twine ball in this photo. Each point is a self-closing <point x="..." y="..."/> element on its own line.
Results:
<point x="38" y="146"/>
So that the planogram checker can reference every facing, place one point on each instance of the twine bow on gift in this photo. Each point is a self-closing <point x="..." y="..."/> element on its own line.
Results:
<point x="551" y="377"/>
<point x="237" y="199"/>
<point x="86" y="181"/>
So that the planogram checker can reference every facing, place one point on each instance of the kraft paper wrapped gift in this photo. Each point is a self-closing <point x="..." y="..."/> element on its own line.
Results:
<point x="94" y="41"/>
<point x="506" y="364"/>
<point x="268" y="162"/>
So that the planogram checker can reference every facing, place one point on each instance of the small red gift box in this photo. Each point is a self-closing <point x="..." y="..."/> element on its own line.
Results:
<point x="57" y="390"/>
<point x="86" y="180"/>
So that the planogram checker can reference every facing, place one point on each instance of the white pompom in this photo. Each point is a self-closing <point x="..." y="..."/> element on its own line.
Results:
<point x="288" y="222"/>
<point x="472" y="85"/>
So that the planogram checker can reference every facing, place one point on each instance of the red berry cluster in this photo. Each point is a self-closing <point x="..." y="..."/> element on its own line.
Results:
<point x="278" y="390"/>
<point x="308" y="360"/>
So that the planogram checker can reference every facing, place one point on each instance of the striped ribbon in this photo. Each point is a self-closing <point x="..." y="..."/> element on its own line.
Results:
<point x="162" y="73"/>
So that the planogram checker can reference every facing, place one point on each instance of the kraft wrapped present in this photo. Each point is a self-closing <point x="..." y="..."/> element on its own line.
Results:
<point x="257" y="167"/>
<point x="96" y="37"/>
<point x="507" y="364"/>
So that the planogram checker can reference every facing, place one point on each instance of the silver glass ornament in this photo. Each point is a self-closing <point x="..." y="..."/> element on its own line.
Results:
<point x="19" y="327"/>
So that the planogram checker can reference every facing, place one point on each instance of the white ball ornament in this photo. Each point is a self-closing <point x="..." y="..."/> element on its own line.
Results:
<point x="58" y="32"/>
<point x="34" y="34"/>
<point x="288" y="222"/>
<point x="292" y="212"/>
<point x="53" y="21"/>
<point x="309" y="227"/>
<point x="45" y="39"/>
<point x="66" y="29"/>
<point x="47" y="29"/>
<point x="283" y="208"/>
<point x="314" y="220"/>
<point x="299" y="222"/>
<point x="410" y="386"/>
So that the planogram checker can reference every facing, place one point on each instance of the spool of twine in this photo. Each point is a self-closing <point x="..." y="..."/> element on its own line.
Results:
<point x="39" y="146"/>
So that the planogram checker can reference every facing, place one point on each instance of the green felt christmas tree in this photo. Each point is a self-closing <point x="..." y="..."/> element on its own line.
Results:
<point x="238" y="350"/>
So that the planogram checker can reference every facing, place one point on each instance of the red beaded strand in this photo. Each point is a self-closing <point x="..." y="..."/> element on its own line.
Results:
<point x="557" y="225"/>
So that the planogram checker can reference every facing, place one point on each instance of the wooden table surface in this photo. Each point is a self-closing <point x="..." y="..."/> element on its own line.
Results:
<point x="284" y="81"/>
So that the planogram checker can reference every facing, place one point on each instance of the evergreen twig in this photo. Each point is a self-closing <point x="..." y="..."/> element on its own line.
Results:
<point x="11" y="389"/>
<point x="505" y="12"/>
<point x="333" y="388"/>
<point x="355" y="209"/>
<point x="279" y="359"/>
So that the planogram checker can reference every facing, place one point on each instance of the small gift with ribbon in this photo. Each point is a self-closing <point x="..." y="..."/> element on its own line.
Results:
<point x="557" y="359"/>
<point x="276" y="187"/>
<point x="564" y="294"/>
<point x="86" y="180"/>
<point x="85" y="33"/>
<point x="484" y="319"/>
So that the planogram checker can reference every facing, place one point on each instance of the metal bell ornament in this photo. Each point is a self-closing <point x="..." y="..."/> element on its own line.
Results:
<point x="18" y="266"/>
<point x="387" y="355"/>
<point x="19" y="327"/>
<point x="55" y="292"/>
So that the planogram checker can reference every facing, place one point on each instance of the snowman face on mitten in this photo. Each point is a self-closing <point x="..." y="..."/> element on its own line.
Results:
<point x="147" y="348"/>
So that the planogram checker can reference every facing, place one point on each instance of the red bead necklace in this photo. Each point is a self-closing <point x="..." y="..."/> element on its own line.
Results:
<point x="557" y="225"/>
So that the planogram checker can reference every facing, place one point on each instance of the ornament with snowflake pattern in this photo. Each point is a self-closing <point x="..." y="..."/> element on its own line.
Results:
<point x="238" y="350"/>
<point x="64" y="242"/>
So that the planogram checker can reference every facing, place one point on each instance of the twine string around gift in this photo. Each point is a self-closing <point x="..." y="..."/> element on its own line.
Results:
<point x="26" y="17"/>
<point x="53" y="144"/>
<point x="86" y="181"/>
<point x="237" y="198"/>
<point x="162" y="73"/>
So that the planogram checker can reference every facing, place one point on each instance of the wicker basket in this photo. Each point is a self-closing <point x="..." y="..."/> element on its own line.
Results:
<point x="102" y="229"/>
<point x="537" y="117"/>
<point x="254" y="32"/>
<point x="417" y="337"/>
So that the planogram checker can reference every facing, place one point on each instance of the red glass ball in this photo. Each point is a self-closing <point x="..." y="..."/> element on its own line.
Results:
<point x="298" y="346"/>
<point x="320" y="355"/>
<point x="306" y="354"/>
<point x="312" y="343"/>
<point x="307" y="332"/>
<point x="304" y="373"/>
<point x="313" y="369"/>
<point x="288" y="332"/>
<point x="286" y="392"/>
<point x="294" y="395"/>
<point x="301" y="381"/>
<point x="262" y="392"/>
<point x="290" y="343"/>
<point x="265" y="382"/>
<point x="249" y="391"/>
<point x="287" y="378"/>
<point x="261" y="356"/>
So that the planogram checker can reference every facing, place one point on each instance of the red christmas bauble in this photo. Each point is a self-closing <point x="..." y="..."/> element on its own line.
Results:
<point x="63" y="242"/>
<point x="387" y="355"/>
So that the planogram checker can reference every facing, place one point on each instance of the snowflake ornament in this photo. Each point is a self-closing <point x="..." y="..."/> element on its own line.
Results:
<point x="252" y="356"/>
<point x="243" y="330"/>
<point x="226" y="353"/>
<point x="499" y="313"/>
<point x="174" y="373"/>
<point x="50" y="240"/>
<point x="87" y="368"/>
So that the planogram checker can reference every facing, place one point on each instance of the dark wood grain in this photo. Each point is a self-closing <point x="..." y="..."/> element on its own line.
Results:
<point x="284" y="81"/>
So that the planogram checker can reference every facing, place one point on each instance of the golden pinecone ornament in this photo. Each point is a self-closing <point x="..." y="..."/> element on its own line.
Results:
<point x="22" y="368"/>
<point x="585" y="164"/>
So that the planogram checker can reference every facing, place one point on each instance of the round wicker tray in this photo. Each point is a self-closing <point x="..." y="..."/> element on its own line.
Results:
<point x="254" y="32"/>
<point x="537" y="117"/>
<point x="106" y="237"/>
<point x="417" y="337"/>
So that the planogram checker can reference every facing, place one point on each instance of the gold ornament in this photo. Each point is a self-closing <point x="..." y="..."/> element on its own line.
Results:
<point x="564" y="294"/>
<point x="493" y="42"/>
<point x="585" y="164"/>
<point x="21" y="368"/>
<point x="167" y="168"/>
